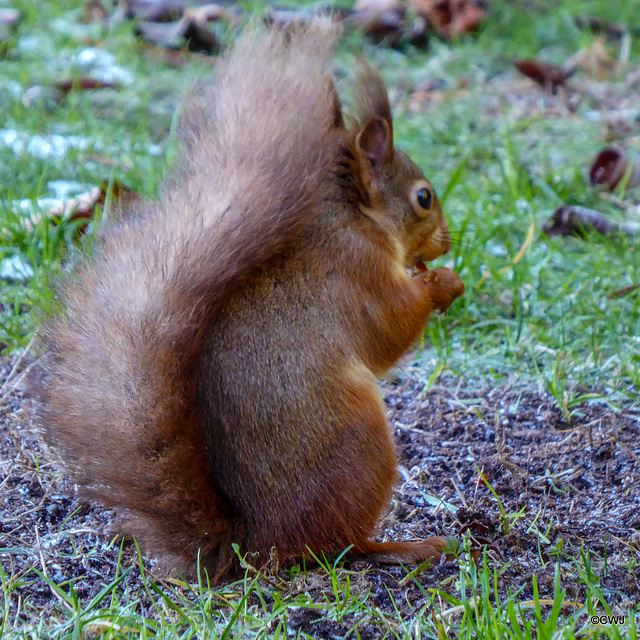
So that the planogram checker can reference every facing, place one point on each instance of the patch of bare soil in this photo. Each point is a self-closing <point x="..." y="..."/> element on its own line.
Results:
<point x="576" y="482"/>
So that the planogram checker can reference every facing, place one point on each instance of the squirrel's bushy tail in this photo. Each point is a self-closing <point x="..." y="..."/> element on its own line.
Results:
<point x="117" y="391"/>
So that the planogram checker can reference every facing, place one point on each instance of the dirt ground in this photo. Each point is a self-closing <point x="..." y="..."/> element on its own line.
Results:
<point x="575" y="483"/>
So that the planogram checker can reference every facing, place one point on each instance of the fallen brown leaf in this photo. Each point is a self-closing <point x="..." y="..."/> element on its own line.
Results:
<point x="381" y="20"/>
<point x="595" y="61"/>
<point x="624" y="291"/>
<point x="547" y="75"/>
<point x="475" y="555"/>
<point x="610" y="167"/>
<point x="80" y="207"/>
<point x="83" y="206"/>
<point x="84" y="83"/>
<point x="388" y="22"/>
<point x="175" y="35"/>
<point x="476" y="526"/>
<point x="450" y="18"/>
<point x="190" y="31"/>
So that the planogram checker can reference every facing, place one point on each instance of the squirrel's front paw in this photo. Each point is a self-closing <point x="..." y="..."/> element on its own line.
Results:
<point x="444" y="287"/>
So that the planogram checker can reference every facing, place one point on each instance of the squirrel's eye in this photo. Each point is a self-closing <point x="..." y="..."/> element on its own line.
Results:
<point x="424" y="198"/>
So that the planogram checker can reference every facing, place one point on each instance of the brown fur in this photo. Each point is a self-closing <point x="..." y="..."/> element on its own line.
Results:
<point x="212" y="373"/>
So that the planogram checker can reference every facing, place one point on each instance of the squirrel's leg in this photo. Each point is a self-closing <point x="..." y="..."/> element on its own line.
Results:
<point x="369" y="432"/>
<point x="409" y="306"/>
<point x="383" y="337"/>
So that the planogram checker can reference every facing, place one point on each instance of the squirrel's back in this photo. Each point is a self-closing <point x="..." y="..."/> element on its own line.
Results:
<point x="117" y="390"/>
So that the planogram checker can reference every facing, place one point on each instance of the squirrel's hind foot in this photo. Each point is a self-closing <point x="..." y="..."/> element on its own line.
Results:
<point x="410" y="552"/>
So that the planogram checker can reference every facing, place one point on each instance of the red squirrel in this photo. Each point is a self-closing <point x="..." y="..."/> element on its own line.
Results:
<point x="211" y="373"/>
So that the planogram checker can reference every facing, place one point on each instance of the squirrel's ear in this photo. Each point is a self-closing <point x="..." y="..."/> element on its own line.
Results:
<point x="374" y="143"/>
<point x="370" y="97"/>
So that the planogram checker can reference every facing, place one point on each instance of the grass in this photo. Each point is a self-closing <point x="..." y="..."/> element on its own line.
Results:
<point x="260" y="605"/>
<point x="536" y="309"/>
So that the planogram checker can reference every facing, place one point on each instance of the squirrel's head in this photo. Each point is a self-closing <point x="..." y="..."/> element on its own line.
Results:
<point x="391" y="189"/>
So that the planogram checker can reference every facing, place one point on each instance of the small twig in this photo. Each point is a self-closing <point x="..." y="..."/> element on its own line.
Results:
<point x="460" y="494"/>
<point x="19" y="378"/>
<point x="20" y="516"/>
<point x="570" y="220"/>
<point x="15" y="578"/>
<point x="628" y="450"/>
<point x="15" y="368"/>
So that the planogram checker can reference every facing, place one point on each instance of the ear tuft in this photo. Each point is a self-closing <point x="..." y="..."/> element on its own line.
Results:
<point x="338" y="120"/>
<point x="374" y="141"/>
<point x="370" y="97"/>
